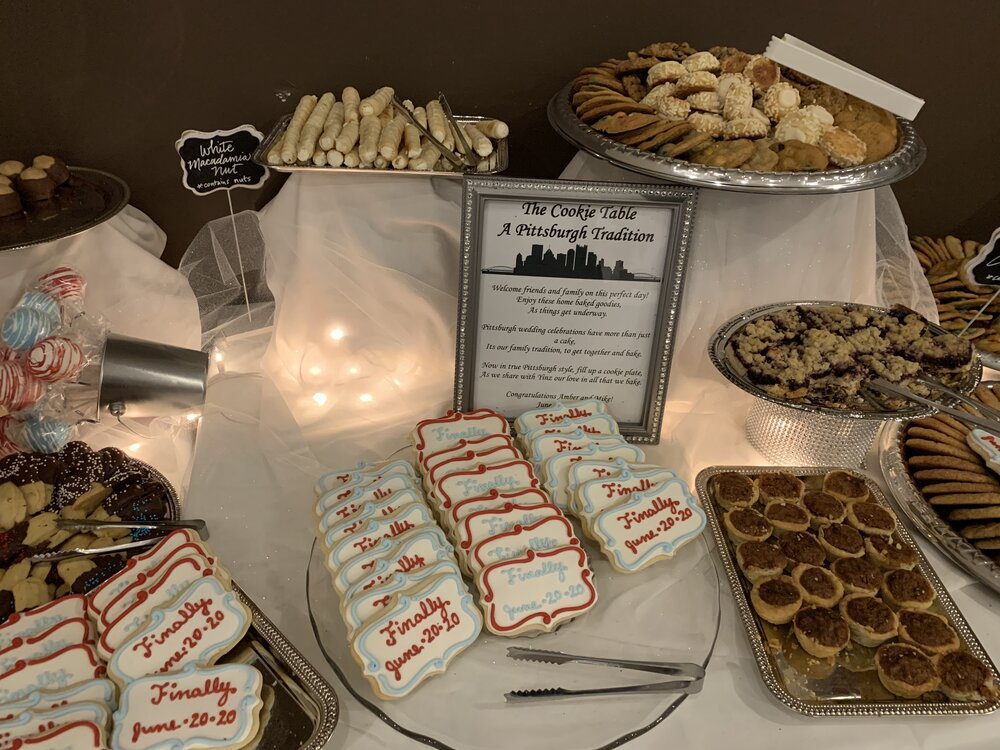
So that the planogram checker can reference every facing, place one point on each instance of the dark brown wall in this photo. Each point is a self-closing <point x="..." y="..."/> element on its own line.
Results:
<point x="113" y="84"/>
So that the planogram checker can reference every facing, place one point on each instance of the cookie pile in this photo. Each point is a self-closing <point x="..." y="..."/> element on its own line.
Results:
<point x="954" y="478"/>
<point x="76" y="483"/>
<point x="957" y="296"/>
<point x="821" y="556"/>
<point x="727" y="108"/>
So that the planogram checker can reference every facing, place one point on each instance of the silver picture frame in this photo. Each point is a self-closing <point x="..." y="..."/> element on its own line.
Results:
<point x="679" y="202"/>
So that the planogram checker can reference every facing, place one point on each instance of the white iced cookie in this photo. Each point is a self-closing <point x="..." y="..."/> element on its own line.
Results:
<point x="656" y="93"/>
<point x="27" y="724"/>
<point x="463" y="446"/>
<point x="345" y="525"/>
<point x="415" y="549"/>
<point x="493" y="500"/>
<point x="56" y="670"/>
<point x="471" y="460"/>
<point x="63" y="634"/>
<point x="556" y="469"/>
<point x="597" y="495"/>
<point x="557" y="413"/>
<point x="503" y="477"/>
<point x="346" y="547"/>
<point x="22" y="625"/>
<point x="549" y="533"/>
<point x="986" y="445"/>
<point x="745" y="127"/>
<point x="597" y="425"/>
<point x="799" y="126"/>
<point x="701" y="61"/>
<point x="358" y="496"/>
<point x="433" y="435"/>
<point x="820" y="114"/>
<point x="664" y="72"/>
<point x="490" y="522"/>
<point x="79" y="735"/>
<point x="780" y="100"/>
<point x="97" y="690"/>
<point x="363" y="473"/>
<point x="541" y="447"/>
<point x="195" y="708"/>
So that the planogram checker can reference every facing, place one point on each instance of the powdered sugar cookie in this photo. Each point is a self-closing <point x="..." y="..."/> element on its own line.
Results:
<point x="342" y="548"/>
<point x="28" y="723"/>
<point x="59" y="669"/>
<point x="417" y="637"/>
<point x="495" y="499"/>
<point x="363" y="471"/>
<point x="62" y="635"/>
<point x="21" y="625"/>
<point x="487" y="523"/>
<point x="79" y="735"/>
<point x="558" y="412"/>
<point x="433" y="435"/>
<point x="98" y="690"/>
<point x="555" y="471"/>
<point x="374" y="492"/>
<point x="339" y="517"/>
<point x="594" y="497"/>
<point x="649" y="526"/>
<point x="195" y="708"/>
<point x="503" y="477"/>
<point x="549" y="533"/>
<point x="536" y="592"/>
<point x="414" y="549"/>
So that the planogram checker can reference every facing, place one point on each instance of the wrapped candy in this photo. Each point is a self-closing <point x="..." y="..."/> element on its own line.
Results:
<point x="43" y="303"/>
<point x="7" y="444"/>
<point x="43" y="434"/>
<point x="54" y="359"/>
<point x="24" y="326"/>
<point x="18" y="389"/>
<point x="64" y="284"/>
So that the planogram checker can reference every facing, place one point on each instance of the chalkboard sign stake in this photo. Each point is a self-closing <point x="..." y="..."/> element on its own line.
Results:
<point x="982" y="270"/>
<point x="239" y="255"/>
<point x="979" y="312"/>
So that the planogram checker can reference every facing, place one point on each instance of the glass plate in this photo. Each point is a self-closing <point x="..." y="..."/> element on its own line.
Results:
<point x="667" y="612"/>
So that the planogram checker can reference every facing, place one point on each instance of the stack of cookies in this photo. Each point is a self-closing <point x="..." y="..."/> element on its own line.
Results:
<point x="945" y="458"/>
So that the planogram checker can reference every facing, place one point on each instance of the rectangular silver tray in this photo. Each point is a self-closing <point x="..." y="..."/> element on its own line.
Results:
<point x="300" y="707"/>
<point x="766" y="664"/>
<point x="260" y="157"/>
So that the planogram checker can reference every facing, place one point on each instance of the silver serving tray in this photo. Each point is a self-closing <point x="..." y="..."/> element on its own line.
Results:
<point x="91" y="197"/>
<point x="903" y="162"/>
<point x="720" y="354"/>
<point x="301" y="709"/>
<point x="766" y="665"/>
<point x="922" y="515"/>
<point x="260" y="156"/>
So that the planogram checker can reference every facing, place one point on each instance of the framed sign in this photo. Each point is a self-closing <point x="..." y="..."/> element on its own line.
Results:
<point x="571" y="291"/>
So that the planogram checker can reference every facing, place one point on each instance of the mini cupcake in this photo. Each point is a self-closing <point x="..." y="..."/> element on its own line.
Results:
<point x="35" y="186"/>
<point x="10" y="201"/>
<point x="53" y="166"/>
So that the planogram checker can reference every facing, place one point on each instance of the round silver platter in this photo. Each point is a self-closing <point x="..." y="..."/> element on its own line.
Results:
<point x="91" y="197"/>
<point x="901" y="163"/>
<point x="722" y="357"/>
<point x="922" y="514"/>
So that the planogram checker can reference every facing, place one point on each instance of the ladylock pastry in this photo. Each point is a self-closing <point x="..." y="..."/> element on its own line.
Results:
<point x="888" y="552"/>
<point x="733" y="489"/>
<point x="746" y="525"/>
<point x="785" y="516"/>
<point x="963" y="677"/>
<point x="802" y="547"/>
<point x="780" y="485"/>
<point x="818" y="585"/>
<point x="907" y="589"/>
<point x="871" y="621"/>
<point x="857" y="574"/>
<point x="758" y="560"/>
<point x="824" y="508"/>
<point x="927" y="631"/>
<point x="871" y="518"/>
<point x="840" y="540"/>
<point x="776" y="600"/>
<point x="905" y="670"/>
<point x="845" y="486"/>
<point x="821" y="632"/>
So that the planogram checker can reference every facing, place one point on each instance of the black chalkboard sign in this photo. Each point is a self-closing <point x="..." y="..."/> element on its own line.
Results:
<point x="220" y="160"/>
<point x="984" y="269"/>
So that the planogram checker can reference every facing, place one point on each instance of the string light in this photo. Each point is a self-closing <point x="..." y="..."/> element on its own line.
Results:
<point x="353" y="371"/>
<point x="319" y="398"/>
<point x="218" y="356"/>
<point x="337" y="334"/>
<point x="365" y="398"/>
<point x="134" y="447"/>
<point x="192" y="417"/>
<point x="315" y="370"/>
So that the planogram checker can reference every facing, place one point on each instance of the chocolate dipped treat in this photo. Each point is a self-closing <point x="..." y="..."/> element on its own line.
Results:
<point x="10" y="201"/>
<point x="53" y="166"/>
<point x="35" y="186"/>
<point x="11" y="168"/>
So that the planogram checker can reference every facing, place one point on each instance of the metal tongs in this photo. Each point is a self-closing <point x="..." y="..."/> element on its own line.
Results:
<point x="69" y="524"/>
<point x="690" y="676"/>
<point x="467" y="158"/>
<point x="990" y="421"/>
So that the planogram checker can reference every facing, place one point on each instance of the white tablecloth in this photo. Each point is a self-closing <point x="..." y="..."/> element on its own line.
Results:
<point x="355" y="253"/>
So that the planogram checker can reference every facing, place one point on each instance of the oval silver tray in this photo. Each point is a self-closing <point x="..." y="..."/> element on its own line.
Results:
<point x="922" y="514"/>
<point x="766" y="664"/>
<point x="903" y="162"/>
<point x="91" y="197"/>
<point x="260" y="157"/>
<point x="733" y="371"/>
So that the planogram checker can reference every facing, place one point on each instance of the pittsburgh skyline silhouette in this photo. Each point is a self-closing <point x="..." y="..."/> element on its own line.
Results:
<point x="576" y="263"/>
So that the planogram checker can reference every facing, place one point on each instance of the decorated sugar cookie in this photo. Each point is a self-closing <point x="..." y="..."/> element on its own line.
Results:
<point x="595" y="426"/>
<point x="62" y="635"/>
<point x="536" y="592"/>
<point x="986" y="445"/>
<point x="583" y="471"/>
<point x="80" y="735"/>
<point x="649" y="526"/>
<point x="198" y="627"/>
<point x="194" y="708"/>
<point x="29" y="723"/>
<point x="549" y="533"/>
<point x="364" y="606"/>
<point x="557" y="413"/>
<point x="57" y="670"/>
<point x="363" y="473"/>
<point x="542" y="447"/>
<point x="414" y="549"/>
<point x="503" y="477"/>
<point x="417" y="637"/>
<point x="470" y="460"/>
<point x="335" y="517"/>
<point x="375" y="492"/>
<point x="99" y="690"/>
<point x="495" y="499"/>
<point x="483" y="524"/>
<point x="555" y="471"/>
<point x="434" y="435"/>
<point x="21" y="625"/>
<point x="595" y="495"/>
<point x="344" y="548"/>
<point x="463" y="446"/>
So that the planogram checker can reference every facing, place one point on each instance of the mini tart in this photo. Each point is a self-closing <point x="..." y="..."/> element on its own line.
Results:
<point x="927" y="631"/>
<point x="905" y="670"/>
<point x="820" y="631"/>
<point x="840" y="540"/>
<point x="963" y="677"/>
<point x="780" y="485"/>
<point x="871" y="518"/>
<point x="776" y="600"/>
<point x="746" y="525"/>
<point x="846" y="487"/>
<point x="818" y="585"/>
<point x="732" y="489"/>
<point x="907" y="589"/>
<point x="871" y="620"/>
<point x="824" y="508"/>
<point x="857" y="574"/>
<point x="785" y="516"/>
<point x="758" y="560"/>
<point x="887" y="552"/>
<point x="802" y="547"/>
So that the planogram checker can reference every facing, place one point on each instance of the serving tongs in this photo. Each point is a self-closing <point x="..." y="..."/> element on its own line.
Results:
<point x="690" y="676"/>
<point x="466" y="160"/>
<point x="83" y="524"/>
<point x="990" y="421"/>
